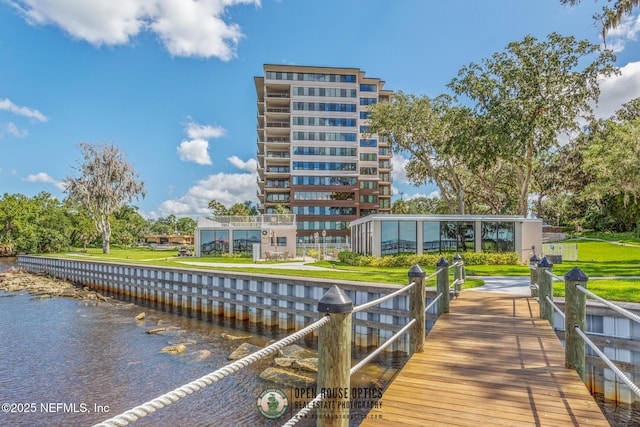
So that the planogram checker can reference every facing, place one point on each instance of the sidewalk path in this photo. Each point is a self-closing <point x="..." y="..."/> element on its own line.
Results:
<point x="514" y="285"/>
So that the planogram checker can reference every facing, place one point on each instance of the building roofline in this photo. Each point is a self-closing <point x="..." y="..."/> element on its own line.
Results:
<point x="411" y="217"/>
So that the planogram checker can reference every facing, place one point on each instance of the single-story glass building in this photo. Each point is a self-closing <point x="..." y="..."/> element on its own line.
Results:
<point x="276" y="235"/>
<point x="380" y="235"/>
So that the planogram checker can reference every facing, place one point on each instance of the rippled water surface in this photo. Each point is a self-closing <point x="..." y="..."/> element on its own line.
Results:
<point x="65" y="362"/>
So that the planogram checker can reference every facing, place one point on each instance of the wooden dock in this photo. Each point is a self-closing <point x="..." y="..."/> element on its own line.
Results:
<point x="490" y="362"/>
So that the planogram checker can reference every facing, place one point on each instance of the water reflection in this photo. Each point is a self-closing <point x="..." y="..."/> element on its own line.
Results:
<point x="80" y="363"/>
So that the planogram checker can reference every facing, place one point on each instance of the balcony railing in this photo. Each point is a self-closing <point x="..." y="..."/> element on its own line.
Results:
<point x="278" y="124"/>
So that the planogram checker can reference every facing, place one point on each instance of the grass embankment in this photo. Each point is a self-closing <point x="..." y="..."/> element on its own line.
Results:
<point x="333" y="270"/>
<point x="595" y="258"/>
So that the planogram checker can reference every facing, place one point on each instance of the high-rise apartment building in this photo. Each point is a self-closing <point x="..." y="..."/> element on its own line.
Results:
<point x="315" y="154"/>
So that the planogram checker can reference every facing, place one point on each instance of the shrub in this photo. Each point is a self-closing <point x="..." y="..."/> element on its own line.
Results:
<point x="407" y="260"/>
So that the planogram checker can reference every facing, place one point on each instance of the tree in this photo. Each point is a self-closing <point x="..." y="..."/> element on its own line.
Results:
<point x="218" y="208"/>
<point x="420" y="126"/>
<point x="106" y="184"/>
<point x="611" y="16"/>
<point x="186" y="225"/>
<point x="614" y="158"/>
<point x="524" y="97"/>
<point x="128" y="225"/>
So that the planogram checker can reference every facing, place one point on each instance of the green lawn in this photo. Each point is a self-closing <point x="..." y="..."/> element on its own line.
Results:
<point x="595" y="259"/>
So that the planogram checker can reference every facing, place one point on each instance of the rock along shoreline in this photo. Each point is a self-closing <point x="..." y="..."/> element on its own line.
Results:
<point x="42" y="286"/>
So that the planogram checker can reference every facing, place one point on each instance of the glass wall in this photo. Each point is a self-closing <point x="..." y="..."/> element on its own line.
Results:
<point x="243" y="241"/>
<point x="214" y="242"/>
<point x="398" y="237"/>
<point x="430" y="236"/>
<point x="498" y="236"/>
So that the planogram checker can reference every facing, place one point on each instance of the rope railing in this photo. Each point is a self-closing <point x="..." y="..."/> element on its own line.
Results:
<point x="574" y="316"/>
<point x="166" y="399"/>
<point x="555" y="307"/>
<point x="554" y="277"/>
<point x="380" y="300"/>
<point x="334" y="304"/>
<point x="609" y="363"/>
<point x="415" y="326"/>
<point x="379" y="350"/>
<point x="432" y="303"/>
<point x="609" y="304"/>
<point x="313" y="403"/>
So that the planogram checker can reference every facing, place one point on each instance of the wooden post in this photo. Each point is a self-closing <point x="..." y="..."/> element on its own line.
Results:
<point x="533" y="268"/>
<point x="457" y="273"/>
<point x="442" y="286"/>
<point x="545" y="288"/>
<point x="417" y="295"/>
<point x="575" y="316"/>
<point x="334" y="358"/>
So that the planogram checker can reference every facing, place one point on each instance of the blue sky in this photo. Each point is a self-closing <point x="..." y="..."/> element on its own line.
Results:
<point x="170" y="82"/>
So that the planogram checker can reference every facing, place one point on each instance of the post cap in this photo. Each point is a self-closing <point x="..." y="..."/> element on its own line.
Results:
<point x="416" y="271"/>
<point x="442" y="263"/>
<point x="544" y="262"/>
<point x="335" y="300"/>
<point x="534" y="259"/>
<point x="575" y="275"/>
<point x="457" y="258"/>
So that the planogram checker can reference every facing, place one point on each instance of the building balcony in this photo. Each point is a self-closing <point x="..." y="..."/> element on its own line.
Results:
<point x="278" y="124"/>
<point x="278" y="140"/>
<point x="285" y="110"/>
<point x="278" y="95"/>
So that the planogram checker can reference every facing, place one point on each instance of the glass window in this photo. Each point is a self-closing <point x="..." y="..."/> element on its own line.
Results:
<point x="389" y="237"/>
<point x="407" y="237"/>
<point x="431" y="236"/>
<point x="398" y="237"/>
<point x="243" y="241"/>
<point x="368" y="143"/>
<point x="498" y="237"/>
<point x="214" y="242"/>
<point x="368" y="101"/>
<point x="368" y="88"/>
<point x="457" y="236"/>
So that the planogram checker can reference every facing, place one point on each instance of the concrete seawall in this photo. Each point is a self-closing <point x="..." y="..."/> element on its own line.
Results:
<point x="288" y="303"/>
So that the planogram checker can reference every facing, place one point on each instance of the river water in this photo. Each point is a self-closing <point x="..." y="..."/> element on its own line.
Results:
<point x="65" y="362"/>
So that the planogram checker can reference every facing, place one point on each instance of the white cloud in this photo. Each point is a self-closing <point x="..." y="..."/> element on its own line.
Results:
<point x="46" y="178"/>
<point x="195" y="150"/>
<point x="191" y="28"/>
<point x="250" y="165"/>
<point x="198" y="131"/>
<point x="626" y="31"/>
<point x="12" y="129"/>
<point x="618" y="90"/>
<point x="398" y="172"/>
<point x="7" y="105"/>
<point x="227" y="188"/>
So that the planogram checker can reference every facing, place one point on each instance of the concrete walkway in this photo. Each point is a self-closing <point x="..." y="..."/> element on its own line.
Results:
<point x="279" y="265"/>
<point x="516" y="285"/>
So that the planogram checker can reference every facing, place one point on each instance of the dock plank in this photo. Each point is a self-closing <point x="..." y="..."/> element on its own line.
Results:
<point x="490" y="361"/>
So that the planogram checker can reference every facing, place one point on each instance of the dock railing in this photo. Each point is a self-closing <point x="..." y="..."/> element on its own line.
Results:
<point x="335" y="309"/>
<point x="575" y="283"/>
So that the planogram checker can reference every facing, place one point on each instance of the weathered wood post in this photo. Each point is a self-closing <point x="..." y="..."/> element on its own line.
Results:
<point x="457" y="273"/>
<point x="334" y="358"/>
<point x="442" y="286"/>
<point x="533" y="268"/>
<point x="417" y="295"/>
<point x="545" y="288"/>
<point x="575" y="316"/>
